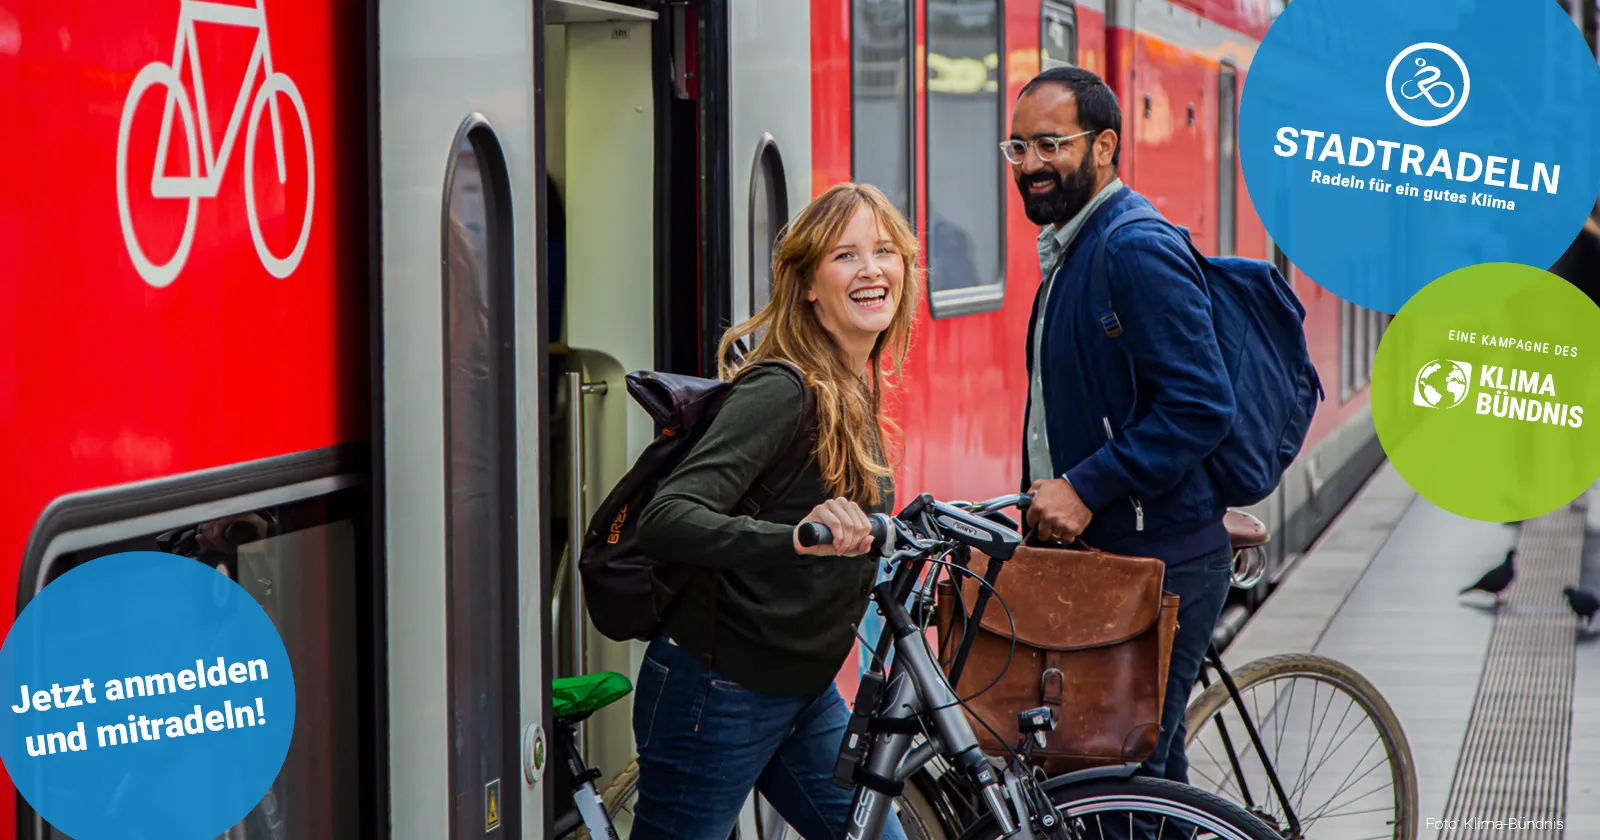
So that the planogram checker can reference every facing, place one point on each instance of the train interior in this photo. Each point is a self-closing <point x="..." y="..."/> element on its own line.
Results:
<point x="601" y="154"/>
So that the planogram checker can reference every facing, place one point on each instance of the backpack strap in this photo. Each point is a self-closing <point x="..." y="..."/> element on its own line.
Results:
<point x="780" y="476"/>
<point x="1099" y="284"/>
<point x="773" y="483"/>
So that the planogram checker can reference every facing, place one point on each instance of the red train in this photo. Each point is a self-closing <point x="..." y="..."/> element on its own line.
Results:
<point x="370" y="285"/>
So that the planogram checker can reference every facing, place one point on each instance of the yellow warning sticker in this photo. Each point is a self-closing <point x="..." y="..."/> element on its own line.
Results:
<point x="491" y="806"/>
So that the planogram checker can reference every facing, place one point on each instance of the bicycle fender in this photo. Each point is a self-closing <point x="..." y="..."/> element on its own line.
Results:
<point x="984" y="826"/>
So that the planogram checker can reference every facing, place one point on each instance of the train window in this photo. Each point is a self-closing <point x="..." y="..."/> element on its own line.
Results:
<point x="479" y="509"/>
<point x="967" y="176"/>
<point x="1058" y="34"/>
<point x="303" y="559"/>
<point x="1227" y="157"/>
<point x="1360" y="331"/>
<point x="1347" y="351"/>
<point x="769" y="209"/>
<point x="880" y="73"/>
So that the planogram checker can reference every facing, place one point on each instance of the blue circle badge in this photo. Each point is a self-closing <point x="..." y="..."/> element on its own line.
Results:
<point x="1386" y="143"/>
<point x="149" y="696"/>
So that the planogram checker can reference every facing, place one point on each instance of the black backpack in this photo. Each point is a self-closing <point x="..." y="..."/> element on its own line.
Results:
<point x="627" y="592"/>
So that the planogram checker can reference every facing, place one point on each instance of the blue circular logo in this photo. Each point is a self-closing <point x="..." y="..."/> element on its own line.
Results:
<point x="1386" y="144"/>
<point x="149" y="697"/>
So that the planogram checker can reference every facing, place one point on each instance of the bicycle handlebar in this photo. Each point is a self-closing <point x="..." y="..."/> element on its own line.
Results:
<point x="978" y="525"/>
<point x="816" y="533"/>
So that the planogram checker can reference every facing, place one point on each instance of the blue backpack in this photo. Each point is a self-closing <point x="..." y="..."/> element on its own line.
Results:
<point x="1260" y="326"/>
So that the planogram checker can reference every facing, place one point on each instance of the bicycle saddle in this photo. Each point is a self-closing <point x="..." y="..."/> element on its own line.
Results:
<point x="1244" y="530"/>
<point x="576" y="698"/>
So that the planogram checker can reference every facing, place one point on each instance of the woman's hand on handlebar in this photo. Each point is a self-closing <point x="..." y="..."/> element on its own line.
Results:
<point x="849" y="524"/>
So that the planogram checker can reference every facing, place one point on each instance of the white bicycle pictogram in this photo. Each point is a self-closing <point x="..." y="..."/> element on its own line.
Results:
<point x="206" y="182"/>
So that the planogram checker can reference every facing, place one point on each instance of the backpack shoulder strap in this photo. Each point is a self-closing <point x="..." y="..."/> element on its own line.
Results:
<point x="781" y="475"/>
<point x="1099" y="283"/>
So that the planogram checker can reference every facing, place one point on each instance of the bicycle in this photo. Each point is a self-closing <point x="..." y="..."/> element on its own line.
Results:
<point x="205" y="183"/>
<point x="950" y="805"/>
<point x="1244" y="780"/>
<point x="915" y="698"/>
<point x="573" y="700"/>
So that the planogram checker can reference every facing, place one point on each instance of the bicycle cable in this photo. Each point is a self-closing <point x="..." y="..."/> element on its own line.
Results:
<point x="924" y="627"/>
<point x="944" y="678"/>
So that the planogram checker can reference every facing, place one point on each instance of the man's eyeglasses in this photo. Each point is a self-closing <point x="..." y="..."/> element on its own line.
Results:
<point x="1047" y="147"/>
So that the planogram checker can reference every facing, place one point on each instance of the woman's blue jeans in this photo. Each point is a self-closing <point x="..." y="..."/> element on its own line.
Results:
<point x="705" y="742"/>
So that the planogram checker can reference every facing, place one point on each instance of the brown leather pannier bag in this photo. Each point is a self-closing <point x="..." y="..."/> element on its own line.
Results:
<point x="1093" y="638"/>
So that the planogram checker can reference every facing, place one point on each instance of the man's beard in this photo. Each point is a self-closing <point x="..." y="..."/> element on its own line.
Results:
<point x="1062" y="203"/>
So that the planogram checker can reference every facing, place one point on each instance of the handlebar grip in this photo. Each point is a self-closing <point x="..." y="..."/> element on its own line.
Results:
<point x="816" y="533"/>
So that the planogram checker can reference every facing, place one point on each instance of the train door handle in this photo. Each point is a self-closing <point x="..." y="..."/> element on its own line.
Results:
<point x="577" y="389"/>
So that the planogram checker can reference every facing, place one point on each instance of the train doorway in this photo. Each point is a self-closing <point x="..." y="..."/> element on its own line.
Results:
<point x="601" y="163"/>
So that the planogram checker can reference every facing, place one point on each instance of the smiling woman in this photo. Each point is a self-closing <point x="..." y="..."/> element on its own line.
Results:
<point x="744" y="669"/>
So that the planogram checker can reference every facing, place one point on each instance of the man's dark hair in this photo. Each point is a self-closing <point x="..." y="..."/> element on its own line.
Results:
<point x="1098" y="109"/>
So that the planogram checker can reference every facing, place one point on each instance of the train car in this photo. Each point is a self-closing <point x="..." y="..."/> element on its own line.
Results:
<point x="370" y="286"/>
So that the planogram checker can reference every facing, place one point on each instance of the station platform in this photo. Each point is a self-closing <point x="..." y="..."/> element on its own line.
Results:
<point x="1501" y="706"/>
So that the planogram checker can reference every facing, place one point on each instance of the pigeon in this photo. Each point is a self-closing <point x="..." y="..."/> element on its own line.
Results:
<point x="1583" y="602"/>
<point x="1496" y="579"/>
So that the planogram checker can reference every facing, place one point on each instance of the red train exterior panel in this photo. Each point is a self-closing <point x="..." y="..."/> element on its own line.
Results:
<point x="106" y="379"/>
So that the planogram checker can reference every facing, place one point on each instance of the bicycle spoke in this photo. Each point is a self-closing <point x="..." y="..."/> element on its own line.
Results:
<point x="1352" y="782"/>
<point x="1316" y="792"/>
<point x="1358" y="761"/>
<point x="1304" y="779"/>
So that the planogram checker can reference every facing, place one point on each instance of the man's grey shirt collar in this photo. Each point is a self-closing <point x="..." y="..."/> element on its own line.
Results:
<point x="1053" y="243"/>
<point x="1055" y="239"/>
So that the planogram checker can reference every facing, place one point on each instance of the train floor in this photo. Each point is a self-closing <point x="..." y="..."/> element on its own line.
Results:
<point x="1501" y="706"/>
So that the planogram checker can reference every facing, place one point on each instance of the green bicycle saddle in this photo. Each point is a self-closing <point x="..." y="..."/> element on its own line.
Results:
<point x="587" y="694"/>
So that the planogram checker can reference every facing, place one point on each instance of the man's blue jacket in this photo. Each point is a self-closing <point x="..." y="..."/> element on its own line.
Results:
<point x="1131" y="419"/>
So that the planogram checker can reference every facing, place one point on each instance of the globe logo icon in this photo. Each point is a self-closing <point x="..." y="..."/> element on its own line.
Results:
<point x="1442" y="383"/>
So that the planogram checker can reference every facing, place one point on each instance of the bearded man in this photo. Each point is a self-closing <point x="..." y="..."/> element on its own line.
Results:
<point x="1117" y="428"/>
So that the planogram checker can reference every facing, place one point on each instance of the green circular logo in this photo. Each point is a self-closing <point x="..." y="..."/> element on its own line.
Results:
<point x="1486" y="392"/>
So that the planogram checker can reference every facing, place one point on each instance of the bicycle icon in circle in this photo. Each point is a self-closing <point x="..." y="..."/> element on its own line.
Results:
<point x="1426" y="84"/>
<point x="207" y="181"/>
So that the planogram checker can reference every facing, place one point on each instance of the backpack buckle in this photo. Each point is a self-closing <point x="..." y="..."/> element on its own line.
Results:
<point x="1110" y="323"/>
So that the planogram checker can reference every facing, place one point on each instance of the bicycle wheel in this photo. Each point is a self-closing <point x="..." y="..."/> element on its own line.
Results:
<point x="1358" y="781"/>
<point x="918" y="818"/>
<point x="917" y="815"/>
<point x="1108" y="809"/>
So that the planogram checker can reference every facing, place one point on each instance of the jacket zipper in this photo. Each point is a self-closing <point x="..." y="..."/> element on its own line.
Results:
<point x="1138" y="509"/>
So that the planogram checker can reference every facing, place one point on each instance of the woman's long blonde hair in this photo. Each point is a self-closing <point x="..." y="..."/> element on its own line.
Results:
<point x="855" y="438"/>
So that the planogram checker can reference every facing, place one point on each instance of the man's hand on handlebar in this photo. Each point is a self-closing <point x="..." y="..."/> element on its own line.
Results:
<point x="847" y="524"/>
<point x="1056" y="511"/>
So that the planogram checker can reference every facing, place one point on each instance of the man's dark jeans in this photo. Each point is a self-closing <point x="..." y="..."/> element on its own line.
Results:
<point x="705" y="742"/>
<point x="1202" y="586"/>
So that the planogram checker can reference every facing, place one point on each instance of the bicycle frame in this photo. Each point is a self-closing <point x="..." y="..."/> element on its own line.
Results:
<point x="890" y="711"/>
<point x="207" y="183"/>
<point x="1214" y="660"/>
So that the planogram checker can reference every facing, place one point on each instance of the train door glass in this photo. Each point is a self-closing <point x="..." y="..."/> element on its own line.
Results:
<point x="769" y="209"/>
<point x="880" y="112"/>
<point x="303" y="561"/>
<point x="1058" y="34"/>
<point x="479" y="523"/>
<point x="1227" y="158"/>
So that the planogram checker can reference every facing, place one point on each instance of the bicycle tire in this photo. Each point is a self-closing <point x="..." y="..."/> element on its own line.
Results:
<point x="925" y="824"/>
<point x="1214" y="814"/>
<point x="1402" y="765"/>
